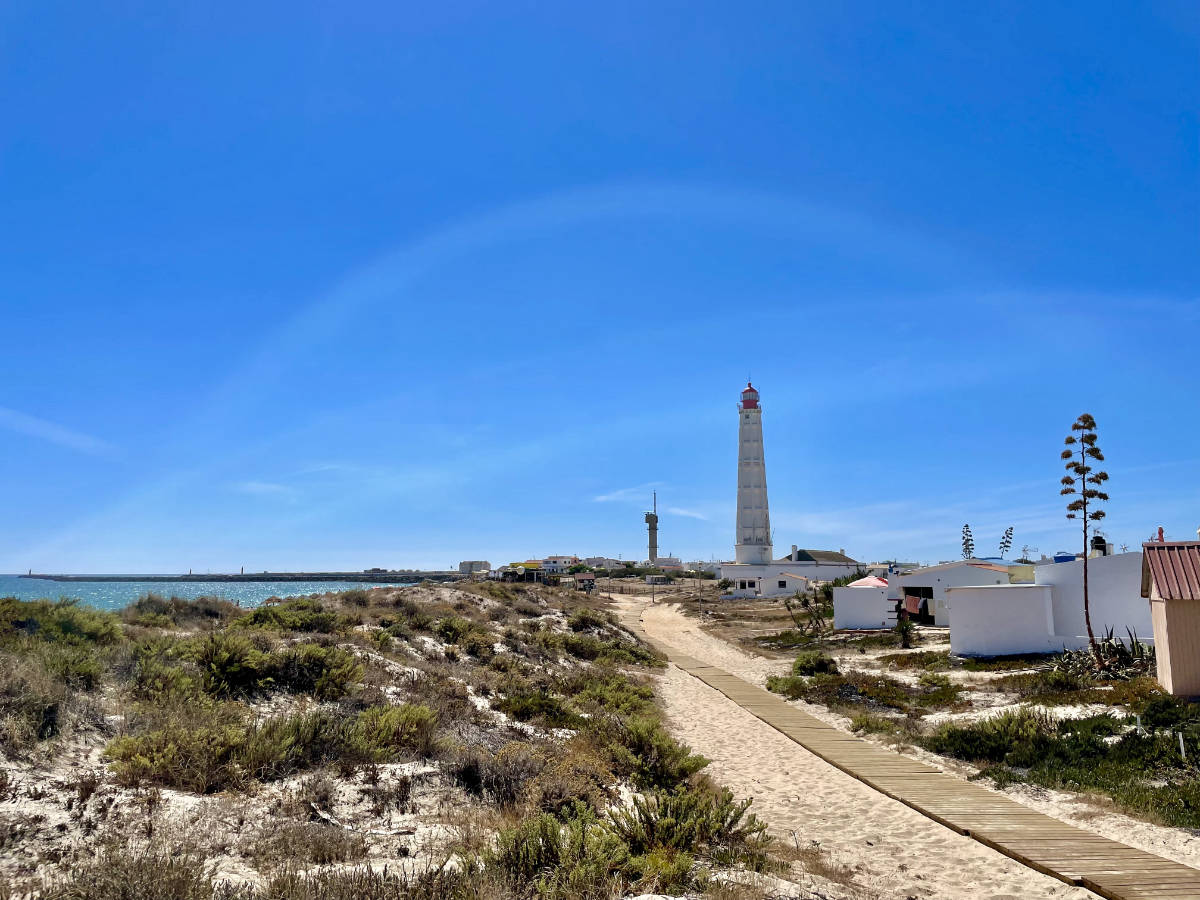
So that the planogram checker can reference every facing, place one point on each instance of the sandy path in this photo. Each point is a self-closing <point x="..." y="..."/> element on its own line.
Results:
<point x="668" y="625"/>
<point x="894" y="851"/>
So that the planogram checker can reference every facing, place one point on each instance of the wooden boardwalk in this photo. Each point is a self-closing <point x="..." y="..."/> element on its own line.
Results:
<point x="1078" y="857"/>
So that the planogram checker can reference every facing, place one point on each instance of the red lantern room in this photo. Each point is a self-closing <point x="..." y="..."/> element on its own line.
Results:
<point x="749" y="397"/>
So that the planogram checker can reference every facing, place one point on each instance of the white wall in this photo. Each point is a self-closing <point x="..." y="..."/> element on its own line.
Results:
<point x="1114" y="593"/>
<point x="862" y="607"/>
<point x="998" y="620"/>
<point x="767" y="578"/>
<point x="940" y="579"/>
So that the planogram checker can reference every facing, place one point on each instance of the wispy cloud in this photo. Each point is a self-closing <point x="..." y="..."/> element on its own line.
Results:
<point x="264" y="489"/>
<point x="690" y="513"/>
<point x="56" y="434"/>
<point x="625" y="495"/>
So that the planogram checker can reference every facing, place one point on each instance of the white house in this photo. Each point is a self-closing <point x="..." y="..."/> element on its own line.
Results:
<point x="774" y="584"/>
<point x="557" y="565"/>
<point x="607" y="562"/>
<point x="924" y="590"/>
<point x="1047" y="615"/>
<point x="863" y="604"/>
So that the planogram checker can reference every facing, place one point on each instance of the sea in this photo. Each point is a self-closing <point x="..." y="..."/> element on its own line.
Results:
<point x="118" y="594"/>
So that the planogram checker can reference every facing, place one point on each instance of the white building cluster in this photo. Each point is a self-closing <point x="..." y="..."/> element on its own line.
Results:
<point x="996" y="607"/>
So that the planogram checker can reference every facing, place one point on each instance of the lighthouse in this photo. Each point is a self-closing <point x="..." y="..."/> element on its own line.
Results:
<point x="753" y="519"/>
<point x="754" y="573"/>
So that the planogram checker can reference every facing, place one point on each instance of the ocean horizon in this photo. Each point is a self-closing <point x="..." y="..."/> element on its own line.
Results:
<point x="111" y="595"/>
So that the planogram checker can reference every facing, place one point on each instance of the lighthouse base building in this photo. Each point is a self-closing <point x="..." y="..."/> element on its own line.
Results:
<point x="755" y="573"/>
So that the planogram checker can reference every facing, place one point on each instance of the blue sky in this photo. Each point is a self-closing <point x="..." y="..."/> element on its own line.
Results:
<point x="297" y="286"/>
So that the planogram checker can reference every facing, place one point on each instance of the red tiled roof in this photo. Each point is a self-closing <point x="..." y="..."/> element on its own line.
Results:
<point x="1173" y="567"/>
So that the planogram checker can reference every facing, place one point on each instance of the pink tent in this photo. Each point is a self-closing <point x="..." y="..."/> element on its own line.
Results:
<point x="869" y="581"/>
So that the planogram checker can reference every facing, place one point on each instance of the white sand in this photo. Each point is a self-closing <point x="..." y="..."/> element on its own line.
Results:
<point x="894" y="851"/>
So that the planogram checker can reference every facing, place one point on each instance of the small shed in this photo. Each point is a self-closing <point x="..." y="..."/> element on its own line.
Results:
<point x="1171" y="581"/>
<point x="863" y="604"/>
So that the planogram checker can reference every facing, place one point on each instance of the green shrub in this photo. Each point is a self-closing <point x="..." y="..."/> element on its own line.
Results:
<point x="651" y="757"/>
<point x="32" y="701"/>
<point x="228" y="665"/>
<point x="453" y="629"/>
<point x="697" y="820"/>
<point x="325" y="672"/>
<point x="355" y="597"/>
<point x="528" y="704"/>
<point x="530" y="849"/>
<point x="609" y="690"/>
<point x="76" y="664"/>
<point x="194" y="749"/>
<point x="814" y="662"/>
<point x="552" y="860"/>
<point x="302" y="614"/>
<point x="205" y="746"/>
<point x="791" y="686"/>
<point x="938" y="690"/>
<point x="478" y="644"/>
<point x="158" y="675"/>
<point x="1043" y="684"/>
<point x="587" y="647"/>
<point x="408" y="730"/>
<point x="63" y="621"/>
<point x="585" y="619"/>
<point x="665" y="870"/>
<point x="929" y="660"/>
<point x="284" y="745"/>
<point x="155" y="610"/>
<point x="785" y="640"/>
<point x="995" y="738"/>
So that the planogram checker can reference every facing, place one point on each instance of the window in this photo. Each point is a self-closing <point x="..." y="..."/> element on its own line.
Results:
<point x="741" y="585"/>
<point x="783" y="584"/>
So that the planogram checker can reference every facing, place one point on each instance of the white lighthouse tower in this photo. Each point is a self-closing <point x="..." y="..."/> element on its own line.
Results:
<point x="753" y="519"/>
<point x="755" y="573"/>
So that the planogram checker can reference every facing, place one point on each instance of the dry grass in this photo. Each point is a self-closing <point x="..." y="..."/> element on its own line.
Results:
<point x="293" y="710"/>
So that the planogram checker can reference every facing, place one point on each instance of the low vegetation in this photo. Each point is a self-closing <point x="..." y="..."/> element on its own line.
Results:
<point x="853" y="690"/>
<point x="518" y="712"/>
<point x="1140" y="769"/>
